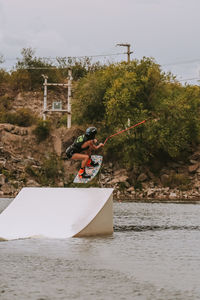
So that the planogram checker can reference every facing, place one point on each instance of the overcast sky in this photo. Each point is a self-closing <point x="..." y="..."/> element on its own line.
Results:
<point x="167" y="30"/>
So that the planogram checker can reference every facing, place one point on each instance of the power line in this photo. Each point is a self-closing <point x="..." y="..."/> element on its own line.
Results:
<point x="182" y="62"/>
<point x="195" y="78"/>
<point x="73" y="57"/>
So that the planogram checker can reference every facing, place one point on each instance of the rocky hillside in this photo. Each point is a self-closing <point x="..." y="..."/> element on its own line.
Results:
<point x="25" y="162"/>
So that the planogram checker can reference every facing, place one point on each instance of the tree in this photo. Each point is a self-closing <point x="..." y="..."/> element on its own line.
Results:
<point x="30" y="68"/>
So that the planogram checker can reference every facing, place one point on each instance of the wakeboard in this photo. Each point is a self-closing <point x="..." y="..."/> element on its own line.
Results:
<point x="90" y="171"/>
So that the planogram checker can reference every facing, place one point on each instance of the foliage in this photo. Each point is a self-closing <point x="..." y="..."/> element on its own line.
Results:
<point x="122" y="95"/>
<point x="5" y="103"/>
<point x="89" y="106"/>
<point x="180" y="180"/>
<point x="23" y="117"/>
<point x="4" y="76"/>
<point x="42" y="130"/>
<point x="51" y="169"/>
<point x="80" y="66"/>
<point x="28" y="71"/>
<point x="62" y="121"/>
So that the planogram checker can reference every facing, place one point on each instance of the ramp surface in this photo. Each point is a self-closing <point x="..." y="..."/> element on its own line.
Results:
<point x="58" y="213"/>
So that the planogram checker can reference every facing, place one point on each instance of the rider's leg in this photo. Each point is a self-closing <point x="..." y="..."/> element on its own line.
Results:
<point x="84" y="158"/>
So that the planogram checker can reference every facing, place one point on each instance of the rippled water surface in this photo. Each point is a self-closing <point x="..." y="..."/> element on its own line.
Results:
<point x="154" y="253"/>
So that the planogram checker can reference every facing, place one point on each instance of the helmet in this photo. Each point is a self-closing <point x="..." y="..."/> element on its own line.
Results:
<point x="90" y="133"/>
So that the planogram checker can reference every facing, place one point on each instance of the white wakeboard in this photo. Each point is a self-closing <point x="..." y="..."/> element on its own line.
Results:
<point x="90" y="171"/>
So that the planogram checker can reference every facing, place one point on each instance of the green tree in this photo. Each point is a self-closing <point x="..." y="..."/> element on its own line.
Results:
<point x="29" y="69"/>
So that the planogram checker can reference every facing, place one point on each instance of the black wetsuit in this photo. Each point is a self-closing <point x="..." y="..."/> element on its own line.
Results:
<point x="76" y="147"/>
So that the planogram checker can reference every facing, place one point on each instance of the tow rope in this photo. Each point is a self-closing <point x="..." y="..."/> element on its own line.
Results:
<point x="123" y="131"/>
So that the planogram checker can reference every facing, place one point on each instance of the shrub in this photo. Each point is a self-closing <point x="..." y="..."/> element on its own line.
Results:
<point x="4" y="76"/>
<point x="23" y="117"/>
<point x="62" y="121"/>
<point x="5" y="103"/>
<point x="180" y="180"/>
<point x="42" y="130"/>
<point x="20" y="80"/>
<point x="51" y="169"/>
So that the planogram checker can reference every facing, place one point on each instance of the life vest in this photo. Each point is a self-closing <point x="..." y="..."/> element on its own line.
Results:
<point x="77" y="145"/>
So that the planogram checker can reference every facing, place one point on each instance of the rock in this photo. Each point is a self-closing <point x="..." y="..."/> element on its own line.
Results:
<point x="119" y="179"/>
<point x="150" y="192"/>
<point x="2" y="179"/>
<point x="195" y="156"/>
<point x="32" y="183"/>
<point x="151" y="175"/>
<point x="194" y="162"/>
<point x="165" y="171"/>
<point x="2" y="163"/>
<point x="142" y="177"/>
<point x="7" y="189"/>
<point x="127" y="184"/>
<point x="120" y="172"/>
<point x="164" y="179"/>
<point x="172" y="195"/>
<point x="130" y="189"/>
<point x="57" y="144"/>
<point x="193" y="168"/>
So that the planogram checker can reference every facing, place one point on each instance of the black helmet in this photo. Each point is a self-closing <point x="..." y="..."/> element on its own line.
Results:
<point x="91" y="132"/>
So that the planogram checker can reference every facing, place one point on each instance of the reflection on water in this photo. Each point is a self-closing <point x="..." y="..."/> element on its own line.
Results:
<point x="153" y="254"/>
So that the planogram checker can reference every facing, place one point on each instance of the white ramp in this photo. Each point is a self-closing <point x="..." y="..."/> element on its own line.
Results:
<point x="58" y="213"/>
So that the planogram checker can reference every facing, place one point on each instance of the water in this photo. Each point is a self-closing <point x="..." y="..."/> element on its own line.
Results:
<point x="154" y="254"/>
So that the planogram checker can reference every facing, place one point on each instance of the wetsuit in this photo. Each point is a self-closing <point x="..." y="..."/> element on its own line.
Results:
<point x="76" y="147"/>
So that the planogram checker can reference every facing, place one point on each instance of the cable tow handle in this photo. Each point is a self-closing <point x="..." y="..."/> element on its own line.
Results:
<point x="123" y="131"/>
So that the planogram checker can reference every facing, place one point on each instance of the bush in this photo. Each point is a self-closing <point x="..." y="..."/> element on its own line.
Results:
<point x="180" y="180"/>
<point x="42" y="130"/>
<point x="20" y="80"/>
<point x="62" y="121"/>
<point x="4" y="76"/>
<point x="51" y="169"/>
<point x="23" y="117"/>
<point x="5" y="103"/>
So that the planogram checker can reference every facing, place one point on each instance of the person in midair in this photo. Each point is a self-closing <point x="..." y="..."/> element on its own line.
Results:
<point x="82" y="148"/>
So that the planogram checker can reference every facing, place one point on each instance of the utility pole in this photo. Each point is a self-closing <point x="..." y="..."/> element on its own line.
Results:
<point x="128" y="51"/>
<point x="45" y="97"/>
<point x="58" y="108"/>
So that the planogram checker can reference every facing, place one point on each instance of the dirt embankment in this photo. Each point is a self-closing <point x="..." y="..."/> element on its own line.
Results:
<point x="25" y="162"/>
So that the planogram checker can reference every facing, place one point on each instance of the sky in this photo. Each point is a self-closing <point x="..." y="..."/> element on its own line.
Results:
<point x="167" y="30"/>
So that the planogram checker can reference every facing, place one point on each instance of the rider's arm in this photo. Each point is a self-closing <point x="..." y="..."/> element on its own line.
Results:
<point x="94" y="146"/>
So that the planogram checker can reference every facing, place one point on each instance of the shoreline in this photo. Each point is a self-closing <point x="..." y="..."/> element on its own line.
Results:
<point x="144" y="200"/>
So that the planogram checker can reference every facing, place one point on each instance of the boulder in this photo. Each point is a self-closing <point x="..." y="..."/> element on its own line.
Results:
<point x="120" y="172"/>
<point x="130" y="189"/>
<point x="2" y="163"/>
<point x="150" y="192"/>
<point x="194" y="162"/>
<point x="164" y="179"/>
<point x="119" y="179"/>
<point x="7" y="189"/>
<point x="142" y="177"/>
<point x="2" y="179"/>
<point x="195" y="155"/>
<point x="32" y="183"/>
<point x="193" y="168"/>
<point x="172" y="195"/>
